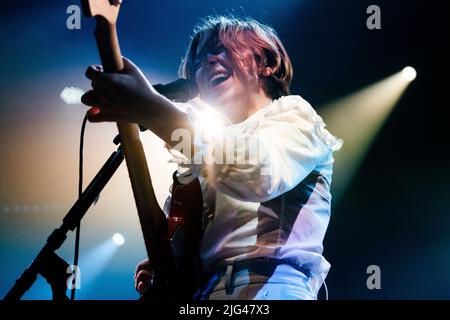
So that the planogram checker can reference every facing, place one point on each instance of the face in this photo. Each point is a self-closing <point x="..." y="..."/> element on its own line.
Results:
<point x="216" y="74"/>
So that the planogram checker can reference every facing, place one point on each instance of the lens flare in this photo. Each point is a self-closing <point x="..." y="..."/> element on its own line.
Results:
<point x="118" y="239"/>
<point x="409" y="74"/>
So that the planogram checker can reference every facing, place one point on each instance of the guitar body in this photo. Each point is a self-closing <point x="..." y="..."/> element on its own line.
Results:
<point x="185" y="224"/>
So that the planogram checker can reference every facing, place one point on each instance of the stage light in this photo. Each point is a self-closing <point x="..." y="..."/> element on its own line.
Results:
<point x="357" y="119"/>
<point x="409" y="74"/>
<point x="71" y="95"/>
<point x="118" y="239"/>
<point x="93" y="263"/>
<point x="209" y="125"/>
<point x="209" y="121"/>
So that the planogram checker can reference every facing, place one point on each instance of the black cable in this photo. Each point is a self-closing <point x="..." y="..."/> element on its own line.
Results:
<point x="80" y="191"/>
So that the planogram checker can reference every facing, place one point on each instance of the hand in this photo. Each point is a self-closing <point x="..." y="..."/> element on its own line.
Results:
<point x="129" y="97"/>
<point x="118" y="96"/>
<point x="143" y="276"/>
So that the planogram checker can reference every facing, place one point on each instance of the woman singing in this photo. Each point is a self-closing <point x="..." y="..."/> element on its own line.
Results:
<point x="266" y="201"/>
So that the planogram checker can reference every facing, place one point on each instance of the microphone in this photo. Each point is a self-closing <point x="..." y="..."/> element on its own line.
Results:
<point x="180" y="90"/>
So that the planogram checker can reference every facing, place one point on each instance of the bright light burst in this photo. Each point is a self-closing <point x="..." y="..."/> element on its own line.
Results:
<point x="409" y="74"/>
<point x="118" y="239"/>
<point x="71" y="95"/>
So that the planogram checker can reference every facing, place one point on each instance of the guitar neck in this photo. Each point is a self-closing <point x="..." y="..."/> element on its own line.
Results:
<point x="151" y="217"/>
<point x="108" y="46"/>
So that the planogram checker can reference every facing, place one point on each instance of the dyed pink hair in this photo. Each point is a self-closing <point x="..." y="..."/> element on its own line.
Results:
<point x="245" y="39"/>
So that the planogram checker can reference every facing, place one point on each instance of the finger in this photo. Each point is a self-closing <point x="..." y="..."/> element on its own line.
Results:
<point x="93" y="72"/>
<point x="99" y="112"/>
<point x="130" y="67"/>
<point x="90" y="98"/>
<point x="97" y="67"/>
<point x="136" y="272"/>
<point x="103" y="84"/>
<point x="92" y="112"/>
<point x="144" y="275"/>
<point x="143" y="286"/>
<point x="96" y="114"/>
<point x="100" y="79"/>
<point x="144" y="279"/>
<point x="144" y="264"/>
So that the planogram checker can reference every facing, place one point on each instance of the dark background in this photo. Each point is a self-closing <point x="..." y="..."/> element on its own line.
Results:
<point x="396" y="212"/>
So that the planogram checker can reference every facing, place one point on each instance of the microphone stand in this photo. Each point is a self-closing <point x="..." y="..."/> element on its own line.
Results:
<point x="47" y="263"/>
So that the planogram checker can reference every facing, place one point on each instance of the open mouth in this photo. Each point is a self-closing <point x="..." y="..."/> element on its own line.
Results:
<point x="217" y="79"/>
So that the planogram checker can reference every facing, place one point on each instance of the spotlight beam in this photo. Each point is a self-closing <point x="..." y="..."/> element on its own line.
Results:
<point x="118" y="239"/>
<point x="409" y="74"/>
<point x="357" y="119"/>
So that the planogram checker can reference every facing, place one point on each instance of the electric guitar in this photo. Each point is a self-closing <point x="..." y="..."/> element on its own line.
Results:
<point x="175" y="277"/>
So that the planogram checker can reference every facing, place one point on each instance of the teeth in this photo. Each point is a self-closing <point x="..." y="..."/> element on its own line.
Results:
<point x="217" y="76"/>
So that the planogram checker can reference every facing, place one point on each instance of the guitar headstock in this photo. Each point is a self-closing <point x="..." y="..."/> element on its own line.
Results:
<point x="106" y="13"/>
<point x="108" y="9"/>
